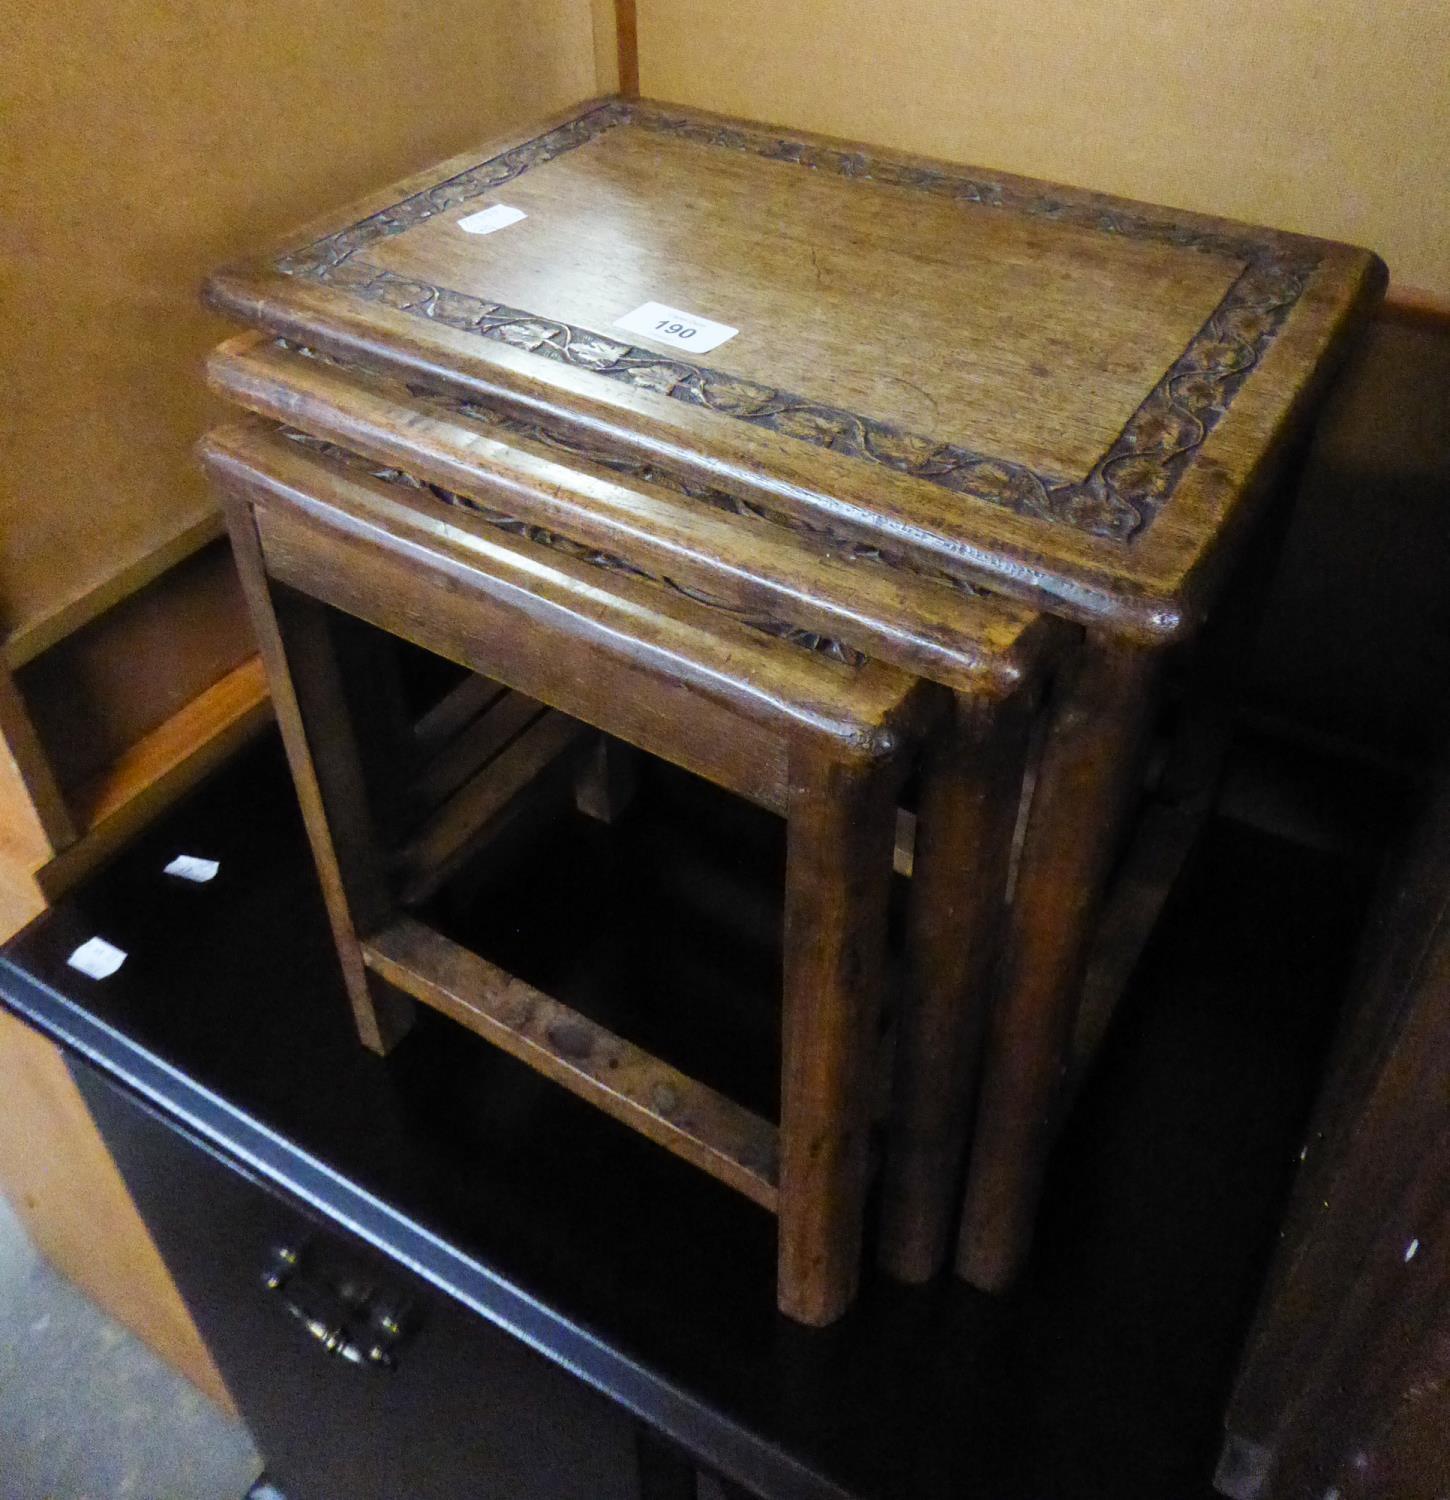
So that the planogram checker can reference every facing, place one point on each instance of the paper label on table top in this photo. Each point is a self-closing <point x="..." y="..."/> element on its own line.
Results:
<point x="679" y="329"/>
<point x="192" y="867"/>
<point x="486" y="220"/>
<point x="97" y="957"/>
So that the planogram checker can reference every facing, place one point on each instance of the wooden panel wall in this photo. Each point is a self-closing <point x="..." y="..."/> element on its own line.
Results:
<point x="145" y="141"/>
<point x="104" y="687"/>
<point x="1327" y="116"/>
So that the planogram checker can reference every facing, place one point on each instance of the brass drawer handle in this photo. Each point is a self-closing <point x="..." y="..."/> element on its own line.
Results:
<point x="350" y="1322"/>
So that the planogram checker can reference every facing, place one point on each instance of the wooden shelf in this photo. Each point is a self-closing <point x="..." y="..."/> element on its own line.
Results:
<point x="114" y="805"/>
<point x="27" y="640"/>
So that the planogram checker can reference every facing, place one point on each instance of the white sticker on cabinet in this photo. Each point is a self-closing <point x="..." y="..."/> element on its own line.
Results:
<point x="97" y="957"/>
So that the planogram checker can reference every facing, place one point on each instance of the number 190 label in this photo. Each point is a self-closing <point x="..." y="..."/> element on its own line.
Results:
<point x="680" y="330"/>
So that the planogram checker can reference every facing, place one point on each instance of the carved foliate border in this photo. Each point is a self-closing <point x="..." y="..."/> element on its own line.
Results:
<point x="598" y="557"/>
<point x="839" y="544"/>
<point x="1117" y="500"/>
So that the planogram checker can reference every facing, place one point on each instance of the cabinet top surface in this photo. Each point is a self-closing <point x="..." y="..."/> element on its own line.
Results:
<point x="645" y="1276"/>
<point x="998" y="373"/>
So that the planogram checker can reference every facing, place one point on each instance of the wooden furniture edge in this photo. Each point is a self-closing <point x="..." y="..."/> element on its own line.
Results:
<point x="214" y="292"/>
<point x="28" y="784"/>
<point x="59" y="1178"/>
<point x="684" y="1116"/>
<point x="410" y="432"/>
<point x="454" y="831"/>
<point x="27" y="640"/>
<point x="115" y="804"/>
<point x="867" y="714"/>
<point x="254" y="293"/>
<point x="1136" y="896"/>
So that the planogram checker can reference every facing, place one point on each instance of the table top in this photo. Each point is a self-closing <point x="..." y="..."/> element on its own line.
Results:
<point x="1069" y="394"/>
<point x="1106" y="1373"/>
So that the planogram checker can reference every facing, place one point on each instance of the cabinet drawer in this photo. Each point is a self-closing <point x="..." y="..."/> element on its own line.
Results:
<point x="358" y="1381"/>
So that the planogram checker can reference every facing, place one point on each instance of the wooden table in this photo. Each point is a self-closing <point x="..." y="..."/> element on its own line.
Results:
<point x="627" y="525"/>
<point x="324" y="545"/>
<point x="1078" y="402"/>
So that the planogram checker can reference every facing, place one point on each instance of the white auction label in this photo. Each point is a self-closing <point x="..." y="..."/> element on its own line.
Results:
<point x="679" y="329"/>
<point x="486" y="220"/>
<point x="97" y="957"/>
<point x="192" y="867"/>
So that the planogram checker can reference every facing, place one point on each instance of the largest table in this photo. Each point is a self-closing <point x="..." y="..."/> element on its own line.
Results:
<point x="1077" y="402"/>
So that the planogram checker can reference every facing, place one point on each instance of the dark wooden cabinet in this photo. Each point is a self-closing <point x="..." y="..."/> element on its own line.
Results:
<point x="563" y="1286"/>
<point x="300" y="1317"/>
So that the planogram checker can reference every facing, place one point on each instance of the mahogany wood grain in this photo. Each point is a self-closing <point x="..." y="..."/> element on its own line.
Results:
<point x="971" y="787"/>
<point x="312" y="715"/>
<point x="615" y="1076"/>
<point x="567" y="483"/>
<point x="1086" y="782"/>
<point x="840" y="830"/>
<point x="966" y="365"/>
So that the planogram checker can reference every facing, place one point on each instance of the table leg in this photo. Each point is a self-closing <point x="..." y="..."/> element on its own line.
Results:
<point x="606" y="781"/>
<point x="840" y="829"/>
<point x="295" y="641"/>
<point x="1089" y="772"/>
<point x="971" y="789"/>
